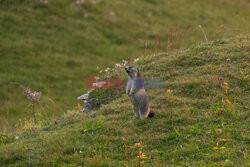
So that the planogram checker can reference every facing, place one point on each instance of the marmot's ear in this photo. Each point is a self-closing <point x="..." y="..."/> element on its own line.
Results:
<point x="138" y="73"/>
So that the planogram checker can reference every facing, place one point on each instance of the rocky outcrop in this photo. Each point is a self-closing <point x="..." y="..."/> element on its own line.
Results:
<point x="89" y="101"/>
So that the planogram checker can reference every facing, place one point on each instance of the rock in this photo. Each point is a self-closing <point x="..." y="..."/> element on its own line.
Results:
<point x="85" y="96"/>
<point x="92" y="102"/>
<point x="87" y="101"/>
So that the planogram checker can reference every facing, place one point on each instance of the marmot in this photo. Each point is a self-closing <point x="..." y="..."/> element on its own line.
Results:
<point x="137" y="94"/>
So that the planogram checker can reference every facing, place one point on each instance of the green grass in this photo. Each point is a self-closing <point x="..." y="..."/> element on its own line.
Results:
<point x="183" y="131"/>
<point x="54" y="48"/>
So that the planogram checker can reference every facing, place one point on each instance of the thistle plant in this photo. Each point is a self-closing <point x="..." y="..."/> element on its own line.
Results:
<point x="35" y="98"/>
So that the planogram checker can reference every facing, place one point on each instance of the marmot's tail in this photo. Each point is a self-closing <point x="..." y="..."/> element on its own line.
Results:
<point x="151" y="115"/>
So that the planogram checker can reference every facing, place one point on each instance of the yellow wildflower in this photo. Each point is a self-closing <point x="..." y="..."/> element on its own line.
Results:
<point x="228" y="101"/>
<point x="218" y="131"/>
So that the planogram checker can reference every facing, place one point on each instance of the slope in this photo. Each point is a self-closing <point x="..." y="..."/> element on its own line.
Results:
<point x="53" y="48"/>
<point x="201" y="117"/>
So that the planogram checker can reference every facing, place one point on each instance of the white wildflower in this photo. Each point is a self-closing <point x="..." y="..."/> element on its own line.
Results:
<point x="99" y="84"/>
<point x="124" y="62"/>
<point x="136" y="60"/>
<point x="107" y="69"/>
<point x="118" y="65"/>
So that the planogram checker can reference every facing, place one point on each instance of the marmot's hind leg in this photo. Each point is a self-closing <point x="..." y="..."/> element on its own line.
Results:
<point x="144" y="111"/>
<point x="137" y="115"/>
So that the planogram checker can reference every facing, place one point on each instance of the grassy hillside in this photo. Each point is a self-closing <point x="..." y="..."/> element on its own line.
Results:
<point x="201" y="117"/>
<point x="53" y="48"/>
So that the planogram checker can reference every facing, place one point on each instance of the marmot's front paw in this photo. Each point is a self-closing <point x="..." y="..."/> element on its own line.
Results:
<point x="131" y="93"/>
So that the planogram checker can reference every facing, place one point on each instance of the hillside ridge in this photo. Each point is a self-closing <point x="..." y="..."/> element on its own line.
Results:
<point x="53" y="48"/>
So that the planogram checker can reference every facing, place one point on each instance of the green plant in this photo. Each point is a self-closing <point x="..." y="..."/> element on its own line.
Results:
<point x="92" y="127"/>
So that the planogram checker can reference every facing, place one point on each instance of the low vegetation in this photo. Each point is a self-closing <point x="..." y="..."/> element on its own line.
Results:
<point x="201" y="117"/>
<point x="53" y="47"/>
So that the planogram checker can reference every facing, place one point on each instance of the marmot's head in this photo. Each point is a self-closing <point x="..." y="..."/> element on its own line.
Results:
<point x="133" y="72"/>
